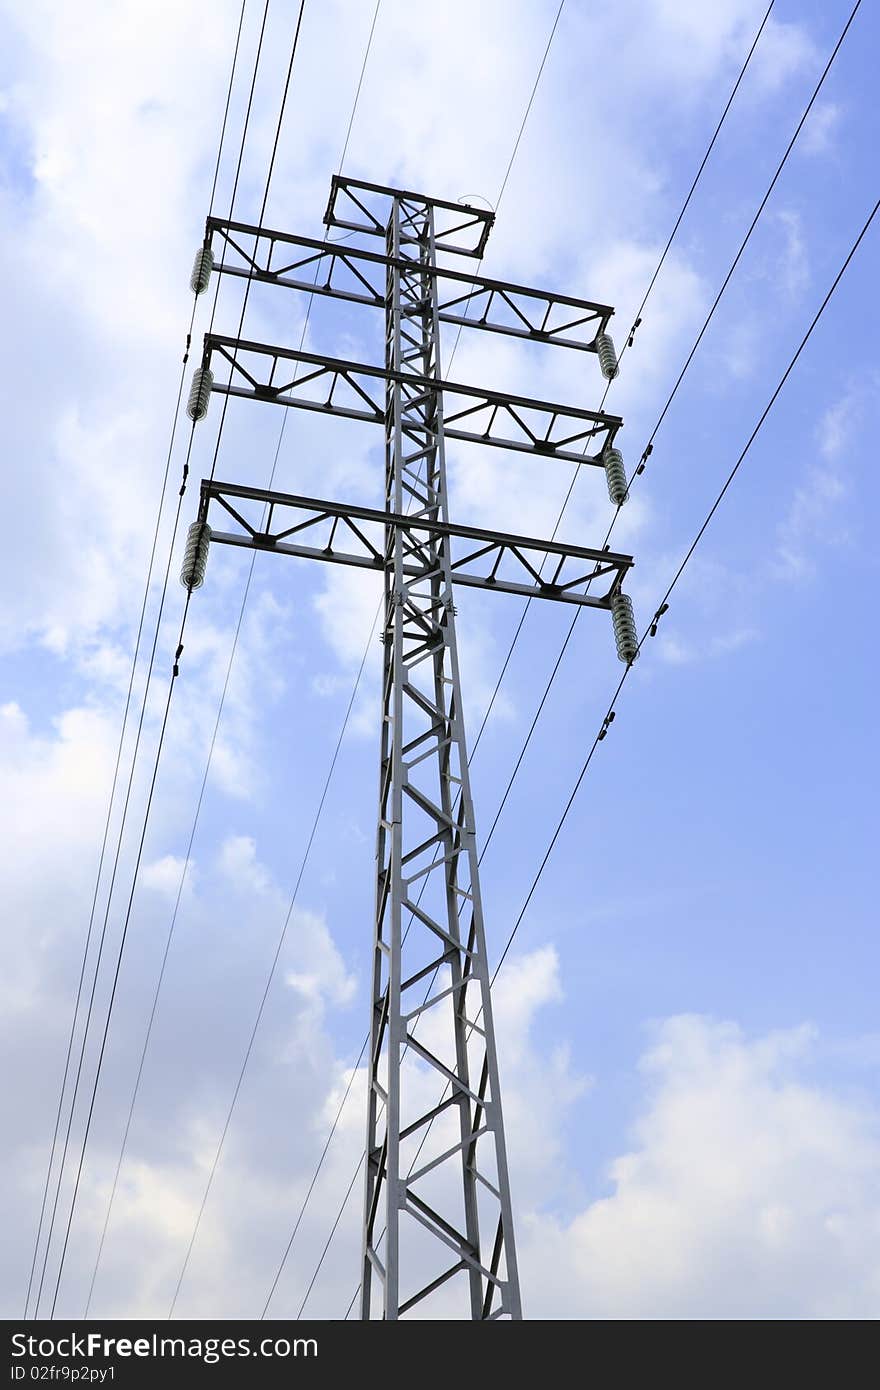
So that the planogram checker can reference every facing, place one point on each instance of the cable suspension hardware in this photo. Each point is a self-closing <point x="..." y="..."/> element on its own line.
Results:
<point x="607" y="356"/>
<point x="458" y="1200"/>
<point x="615" y="474"/>
<point x="625" y="634"/>
<point x="195" y="556"/>
<point x="201" y="271"/>
<point x="200" y="393"/>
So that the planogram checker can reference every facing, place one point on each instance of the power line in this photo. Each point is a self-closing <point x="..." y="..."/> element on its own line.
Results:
<point x="119" y="954"/>
<point x="311" y="1186"/>
<point x="703" y="162"/>
<point x="247" y="288"/>
<point x="650" y="444"/>
<point x="366" y="1039"/>
<point x="226" y="106"/>
<point x="649" y="630"/>
<point x="528" y="109"/>
<point x="510" y="163"/>
<point x="134" y="761"/>
<point x="318" y="1266"/>
<point x="118" y="758"/>
<point x="779" y="168"/>
<point x="522" y="618"/>
<point x="726" y="281"/>
<point x="105" y="837"/>
<point x="213" y="741"/>
<point x="684" y="563"/>
<point x="610" y="714"/>
<point x="357" y="95"/>
<point x="269" y="979"/>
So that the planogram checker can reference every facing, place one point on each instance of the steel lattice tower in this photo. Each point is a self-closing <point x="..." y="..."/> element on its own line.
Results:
<point x="437" y="1207"/>
<point x="426" y="846"/>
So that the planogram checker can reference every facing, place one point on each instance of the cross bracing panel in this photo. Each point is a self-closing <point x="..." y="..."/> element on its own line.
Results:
<point x="312" y="528"/>
<point x="358" y="276"/>
<point x="356" y="390"/>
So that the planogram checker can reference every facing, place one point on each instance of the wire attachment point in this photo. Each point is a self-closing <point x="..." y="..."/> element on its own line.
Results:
<point x="607" y="356"/>
<point x="606" y="725"/>
<point x="200" y="393"/>
<point x="664" y="608"/>
<point x="201" y="271"/>
<point x="195" y="557"/>
<point x="615" y="476"/>
<point x="625" y="637"/>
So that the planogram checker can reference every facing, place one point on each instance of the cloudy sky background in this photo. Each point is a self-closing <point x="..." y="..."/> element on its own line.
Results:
<point x="687" y="1023"/>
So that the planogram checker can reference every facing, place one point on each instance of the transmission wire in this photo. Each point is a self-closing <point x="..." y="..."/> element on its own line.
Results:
<point x="323" y="1154"/>
<point x="229" y="665"/>
<point x="216" y="725"/>
<point x="522" y="618"/>
<point x="118" y="759"/>
<point x="614" y="698"/>
<point x="146" y="690"/>
<point x="691" y="354"/>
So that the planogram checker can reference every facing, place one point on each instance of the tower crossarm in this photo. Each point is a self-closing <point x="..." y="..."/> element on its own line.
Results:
<point x="358" y="276"/>
<point x="312" y="528"/>
<point x="356" y="391"/>
<point x="356" y="206"/>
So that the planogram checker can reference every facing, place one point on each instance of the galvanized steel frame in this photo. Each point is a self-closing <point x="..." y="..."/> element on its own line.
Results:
<point x="426" y="838"/>
<point x="456" y="1199"/>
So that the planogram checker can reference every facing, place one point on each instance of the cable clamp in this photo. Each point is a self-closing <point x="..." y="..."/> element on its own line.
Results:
<point x="664" y="608"/>
<point x="644" y="459"/>
<point x="606" y="725"/>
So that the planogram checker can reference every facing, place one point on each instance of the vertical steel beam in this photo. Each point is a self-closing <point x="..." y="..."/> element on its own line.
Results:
<point x="436" y="1183"/>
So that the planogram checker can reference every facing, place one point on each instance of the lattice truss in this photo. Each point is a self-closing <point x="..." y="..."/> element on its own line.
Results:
<point x="346" y="534"/>
<point x="438" y="1235"/>
<point x="356" y="391"/>
<point x="358" y="276"/>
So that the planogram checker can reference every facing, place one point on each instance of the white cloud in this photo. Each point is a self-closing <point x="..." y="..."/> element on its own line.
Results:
<point x="810" y="523"/>
<point x="320" y="971"/>
<point x="348" y="608"/>
<point x="794" y="272"/>
<point x="676" y="651"/>
<point x="818" y="516"/>
<point x="163" y="875"/>
<point x="750" y="1191"/>
<point x="822" y="124"/>
<point x="117" y="122"/>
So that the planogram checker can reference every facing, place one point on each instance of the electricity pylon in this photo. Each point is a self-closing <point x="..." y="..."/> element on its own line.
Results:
<point x="430" y="1215"/>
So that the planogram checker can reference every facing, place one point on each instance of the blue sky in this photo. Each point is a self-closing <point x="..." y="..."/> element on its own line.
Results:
<point x="689" y="1043"/>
